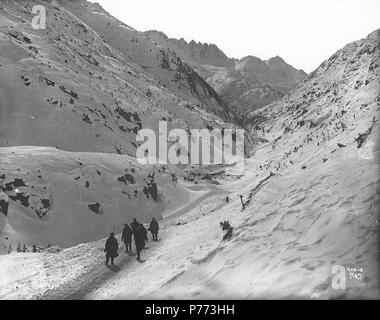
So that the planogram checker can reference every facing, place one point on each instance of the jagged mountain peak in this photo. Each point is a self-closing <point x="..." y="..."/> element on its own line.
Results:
<point x="246" y="83"/>
<point x="193" y="52"/>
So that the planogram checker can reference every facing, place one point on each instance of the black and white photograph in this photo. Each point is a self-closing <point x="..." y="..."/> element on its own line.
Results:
<point x="217" y="150"/>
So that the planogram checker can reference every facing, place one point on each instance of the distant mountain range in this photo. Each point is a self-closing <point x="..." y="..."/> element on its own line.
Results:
<point x="245" y="84"/>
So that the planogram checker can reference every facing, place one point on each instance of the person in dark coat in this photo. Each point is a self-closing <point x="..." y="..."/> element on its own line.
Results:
<point x="127" y="237"/>
<point x="153" y="228"/>
<point x="139" y="236"/>
<point x="134" y="224"/>
<point x="145" y="235"/>
<point x="111" y="248"/>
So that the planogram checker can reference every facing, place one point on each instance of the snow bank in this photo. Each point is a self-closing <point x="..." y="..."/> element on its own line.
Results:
<point x="65" y="198"/>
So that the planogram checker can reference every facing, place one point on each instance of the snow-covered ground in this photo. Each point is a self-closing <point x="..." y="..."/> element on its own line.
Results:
<point x="36" y="275"/>
<point x="311" y="186"/>
<point x="285" y="243"/>
<point x="66" y="198"/>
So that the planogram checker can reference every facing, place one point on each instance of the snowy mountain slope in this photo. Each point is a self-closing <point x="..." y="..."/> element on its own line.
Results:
<point x="318" y="210"/>
<point x="160" y="62"/>
<point x="337" y="103"/>
<point x="274" y="72"/>
<point x="71" y="271"/>
<point x="252" y="83"/>
<point x="66" y="198"/>
<point x="245" y="84"/>
<point x="242" y="90"/>
<point x="284" y="244"/>
<point x="81" y="86"/>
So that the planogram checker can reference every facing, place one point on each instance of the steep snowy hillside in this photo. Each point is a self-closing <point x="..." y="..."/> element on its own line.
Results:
<point x="320" y="208"/>
<point x="245" y="84"/>
<point x="336" y="105"/>
<point x="89" y="82"/>
<point x="241" y="90"/>
<point x="312" y="199"/>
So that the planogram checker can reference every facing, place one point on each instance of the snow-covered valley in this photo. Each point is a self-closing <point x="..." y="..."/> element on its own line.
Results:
<point x="306" y="202"/>
<point x="285" y="242"/>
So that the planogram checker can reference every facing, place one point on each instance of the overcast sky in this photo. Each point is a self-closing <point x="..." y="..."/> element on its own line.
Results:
<point x="303" y="32"/>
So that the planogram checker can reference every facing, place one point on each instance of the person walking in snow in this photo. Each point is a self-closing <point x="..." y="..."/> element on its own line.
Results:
<point x="134" y="224"/>
<point x="153" y="228"/>
<point x="139" y="236"/>
<point x="145" y="235"/>
<point x="111" y="248"/>
<point x="127" y="237"/>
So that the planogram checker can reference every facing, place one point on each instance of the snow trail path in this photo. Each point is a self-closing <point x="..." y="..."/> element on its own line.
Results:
<point x="86" y="283"/>
<point x="193" y="204"/>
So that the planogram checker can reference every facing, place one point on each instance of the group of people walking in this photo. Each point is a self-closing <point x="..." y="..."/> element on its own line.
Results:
<point x="140" y="235"/>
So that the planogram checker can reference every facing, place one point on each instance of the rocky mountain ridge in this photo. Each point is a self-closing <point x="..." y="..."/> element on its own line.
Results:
<point x="243" y="84"/>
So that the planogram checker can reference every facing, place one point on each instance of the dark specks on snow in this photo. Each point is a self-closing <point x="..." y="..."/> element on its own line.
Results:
<point x="19" y="36"/>
<point x="95" y="208"/>
<point x="10" y="186"/>
<point x="21" y="197"/>
<point x="71" y="93"/>
<point x="48" y="82"/>
<point x="127" y="178"/>
<point x="86" y="118"/>
<point x="26" y="81"/>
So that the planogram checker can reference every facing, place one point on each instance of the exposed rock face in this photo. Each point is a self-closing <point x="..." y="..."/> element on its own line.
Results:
<point x="202" y="53"/>
<point x="277" y="63"/>
<point x="274" y="72"/>
<point x="242" y="91"/>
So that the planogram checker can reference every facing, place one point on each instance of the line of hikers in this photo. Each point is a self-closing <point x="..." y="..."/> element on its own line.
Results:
<point x="140" y="234"/>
